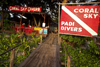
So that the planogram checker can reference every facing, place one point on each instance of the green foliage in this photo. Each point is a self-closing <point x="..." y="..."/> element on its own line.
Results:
<point x="36" y="40"/>
<point x="64" y="37"/>
<point x="21" y="52"/>
<point x="7" y="25"/>
<point x="81" y="57"/>
<point x="93" y="48"/>
<point x="74" y="39"/>
<point x="70" y="38"/>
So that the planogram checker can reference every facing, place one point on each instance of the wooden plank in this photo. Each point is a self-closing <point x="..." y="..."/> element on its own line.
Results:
<point x="32" y="56"/>
<point x="58" y="56"/>
<point x="28" y="58"/>
<point x="42" y="57"/>
<point x="46" y="55"/>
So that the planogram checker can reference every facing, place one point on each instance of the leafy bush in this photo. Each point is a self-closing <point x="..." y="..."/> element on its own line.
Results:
<point x="81" y="57"/>
<point x="21" y="52"/>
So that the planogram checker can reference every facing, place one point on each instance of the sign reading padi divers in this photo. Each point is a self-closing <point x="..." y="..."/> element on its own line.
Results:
<point x="80" y="20"/>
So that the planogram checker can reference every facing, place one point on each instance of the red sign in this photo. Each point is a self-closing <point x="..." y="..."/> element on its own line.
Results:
<point x="30" y="9"/>
<point x="80" y="20"/>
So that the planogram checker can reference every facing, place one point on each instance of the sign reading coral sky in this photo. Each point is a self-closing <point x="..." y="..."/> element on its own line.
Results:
<point x="30" y="9"/>
<point x="80" y="20"/>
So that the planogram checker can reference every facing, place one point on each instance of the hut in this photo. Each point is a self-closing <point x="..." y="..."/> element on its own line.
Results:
<point x="33" y="21"/>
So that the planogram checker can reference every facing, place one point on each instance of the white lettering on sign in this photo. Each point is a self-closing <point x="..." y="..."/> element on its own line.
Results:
<point x="79" y="21"/>
<point x="88" y="12"/>
<point x="75" y="29"/>
<point x="33" y="9"/>
<point x="23" y="8"/>
<point x="90" y="15"/>
<point x="69" y="26"/>
<point x="67" y="23"/>
<point x="14" y="8"/>
<point x="18" y="8"/>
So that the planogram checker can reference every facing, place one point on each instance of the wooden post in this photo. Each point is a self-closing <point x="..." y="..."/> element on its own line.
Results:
<point x="94" y="39"/>
<point x="58" y="21"/>
<point x="21" y="20"/>
<point x="48" y="22"/>
<point x="44" y="18"/>
<point x="12" y="56"/>
<point x="43" y="15"/>
<point x="65" y="58"/>
<point x="2" y="19"/>
<point x="29" y="22"/>
<point x="41" y="38"/>
<point x="59" y="42"/>
<point x="68" y="61"/>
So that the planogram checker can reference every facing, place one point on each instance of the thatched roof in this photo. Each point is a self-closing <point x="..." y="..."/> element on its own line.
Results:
<point x="29" y="16"/>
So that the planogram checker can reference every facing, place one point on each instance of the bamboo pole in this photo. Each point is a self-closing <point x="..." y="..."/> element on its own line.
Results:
<point x="78" y="3"/>
<point x="12" y="56"/>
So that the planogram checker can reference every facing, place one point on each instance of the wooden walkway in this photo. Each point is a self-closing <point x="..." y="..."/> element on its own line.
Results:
<point x="45" y="55"/>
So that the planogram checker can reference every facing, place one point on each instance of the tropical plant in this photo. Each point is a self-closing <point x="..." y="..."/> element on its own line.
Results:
<point x="21" y="52"/>
<point x="89" y="57"/>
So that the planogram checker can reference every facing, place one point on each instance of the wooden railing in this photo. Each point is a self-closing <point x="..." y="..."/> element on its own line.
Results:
<point x="69" y="59"/>
<point x="12" y="53"/>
